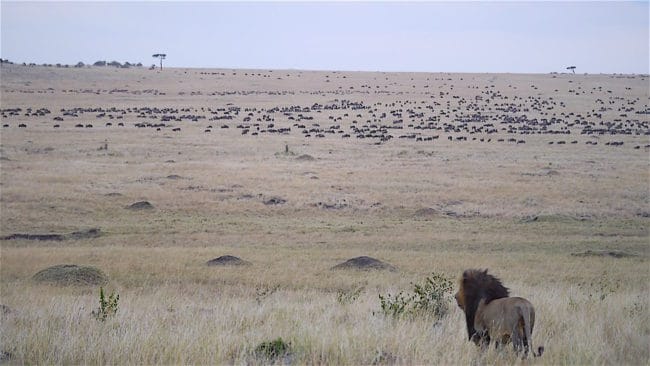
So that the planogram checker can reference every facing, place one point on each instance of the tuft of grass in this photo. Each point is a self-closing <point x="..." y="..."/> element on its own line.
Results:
<point x="272" y="350"/>
<point x="345" y="297"/>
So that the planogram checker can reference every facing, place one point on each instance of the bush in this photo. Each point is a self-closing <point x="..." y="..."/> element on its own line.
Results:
<point x="429" y="299"/>
<point x="394" y="306"/>
<point x="433" y="296"/>
<point x="106" y="307"/>
<point x="273" y="349"/>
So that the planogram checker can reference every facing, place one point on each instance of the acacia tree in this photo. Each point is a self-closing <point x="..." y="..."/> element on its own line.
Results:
<point x="161" y="56"/>
<point x="572" y="68"/>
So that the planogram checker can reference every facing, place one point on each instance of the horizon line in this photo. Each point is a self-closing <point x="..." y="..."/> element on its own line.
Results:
<point x="270" y="69"/>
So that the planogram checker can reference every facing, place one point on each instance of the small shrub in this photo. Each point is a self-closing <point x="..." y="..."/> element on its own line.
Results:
<point x="344" y="297"/>
<point x="433" y="296"/>
<point x="600" y="288"/>
<point x="394" y="306"/>
<point x="264" y="291"/>
<point x="272" y="350"/>
<point x="429" y="299"/>
<point x="107" y="307"/>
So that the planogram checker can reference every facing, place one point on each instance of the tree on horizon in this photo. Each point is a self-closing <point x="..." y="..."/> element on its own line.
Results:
<point x="161" y="56"/>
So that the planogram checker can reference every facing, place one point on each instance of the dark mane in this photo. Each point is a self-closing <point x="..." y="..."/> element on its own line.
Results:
<point x="483" y="285"/>
<point x="474" y="286"/>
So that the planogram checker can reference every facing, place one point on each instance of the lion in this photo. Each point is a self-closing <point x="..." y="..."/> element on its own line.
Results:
<point x="490" y="312"/>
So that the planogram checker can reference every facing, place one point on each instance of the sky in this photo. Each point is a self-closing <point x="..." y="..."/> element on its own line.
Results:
<point x="516" y="37"/>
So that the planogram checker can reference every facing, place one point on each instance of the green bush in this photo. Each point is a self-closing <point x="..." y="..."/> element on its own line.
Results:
<point x="394" y="306"/>
<point x="433" y="296"/>
<point x="273" y="349"/>
<point x="429" y="299"/>
<point x="107" y="307"/>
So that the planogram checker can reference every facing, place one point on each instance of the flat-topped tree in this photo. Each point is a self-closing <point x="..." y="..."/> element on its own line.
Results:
<point x="161" y="56"/>
<point x="572" y="68"/>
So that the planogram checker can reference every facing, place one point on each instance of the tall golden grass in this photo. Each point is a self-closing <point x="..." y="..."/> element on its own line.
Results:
<point x="519" y="210"/>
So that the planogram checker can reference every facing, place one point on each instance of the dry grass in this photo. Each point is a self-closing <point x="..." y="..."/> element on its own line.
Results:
<point x="519" y="210"/>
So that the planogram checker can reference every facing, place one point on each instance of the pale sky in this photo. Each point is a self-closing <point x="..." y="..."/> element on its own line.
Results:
<point x="517" y="37"/>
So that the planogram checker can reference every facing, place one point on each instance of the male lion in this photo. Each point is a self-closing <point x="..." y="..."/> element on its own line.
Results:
<point x="491" y="314"/>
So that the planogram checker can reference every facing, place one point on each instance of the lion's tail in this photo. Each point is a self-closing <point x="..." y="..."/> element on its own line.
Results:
<point x="529" y="318"/>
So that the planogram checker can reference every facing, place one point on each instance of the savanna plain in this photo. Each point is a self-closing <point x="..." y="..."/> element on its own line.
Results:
<point x="542" y="179"/>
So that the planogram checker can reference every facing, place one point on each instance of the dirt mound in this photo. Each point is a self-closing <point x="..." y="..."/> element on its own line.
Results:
<point x="71" y="274"/>
<point x="365" y="263"/>
<point x="605" y="253"/>
<point x="227" y="260"/>
<point x="141" y="205"/>
<point x="305" y="157"/>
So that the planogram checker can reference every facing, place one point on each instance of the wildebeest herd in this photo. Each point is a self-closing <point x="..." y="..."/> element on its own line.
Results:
<point x="484" y="115"/>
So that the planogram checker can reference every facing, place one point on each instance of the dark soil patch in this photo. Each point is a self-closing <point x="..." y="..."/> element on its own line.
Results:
<point x="83" y="234"/>
<point x="53" y="237"/>
<point x="365" y="263"/>
<point x="4" y="309"/>
<point x="426" y="212"/>
<point x="275" y="201"/>
<point x="553" y="218"/>
<point x="605" y="253"/>
<point x="71" y="274"/>
<point x="86" y="234"/>
<point x="141" y="205"/>
<point x="5" y="356"/>
<point x="331" y="206"/>
<point x="228" y="260"/>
